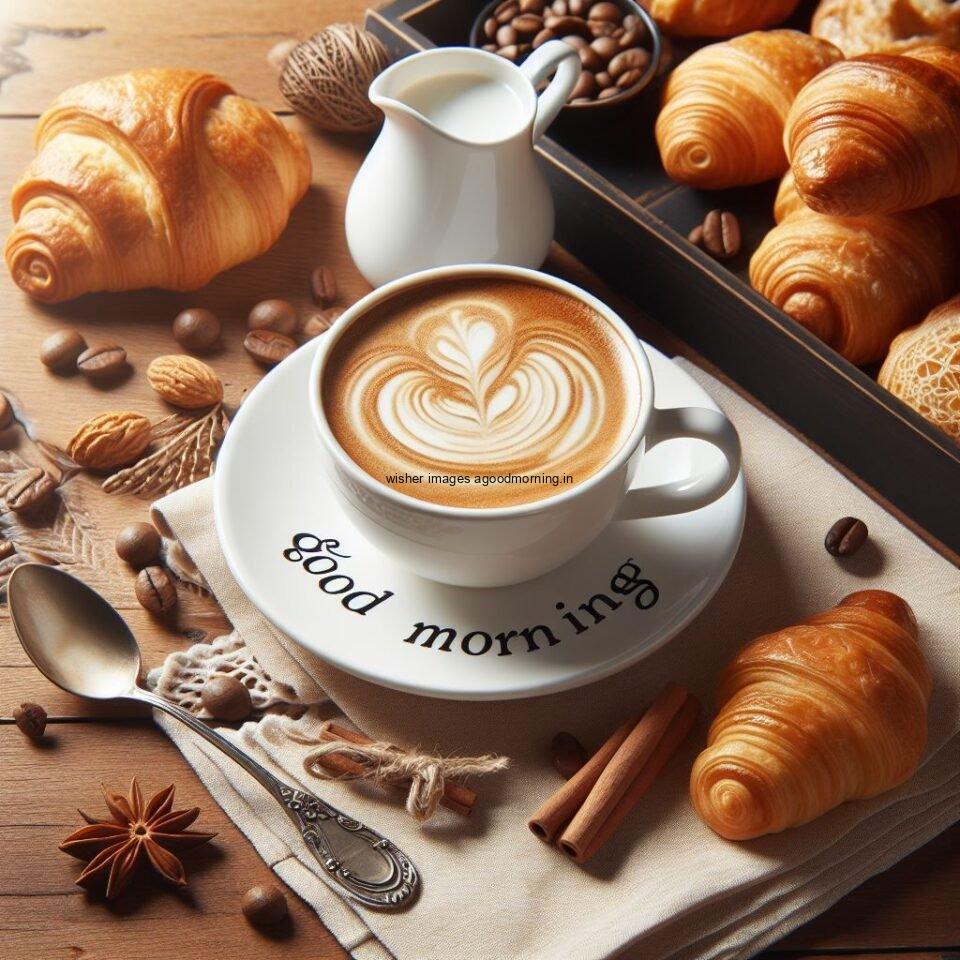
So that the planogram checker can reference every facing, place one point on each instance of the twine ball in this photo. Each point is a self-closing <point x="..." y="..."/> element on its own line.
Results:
<point x="326" y="78"/>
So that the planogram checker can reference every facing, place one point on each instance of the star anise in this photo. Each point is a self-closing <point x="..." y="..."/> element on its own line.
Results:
<point x="138" y="831"/>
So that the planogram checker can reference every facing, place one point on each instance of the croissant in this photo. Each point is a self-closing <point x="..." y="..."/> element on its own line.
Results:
<point x="830" y="710"/>
<point x="878" y="133"/>
<point x="923" y="367"/>
<point x="887" y="26"/>
<point x="151" y="178"/>
<point x="721" y="123"/>
<point x="856" y="282"/>
<point x="718" y="18"/>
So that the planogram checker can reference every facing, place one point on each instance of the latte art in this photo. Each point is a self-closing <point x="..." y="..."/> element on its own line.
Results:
<point x="479" y="392"/>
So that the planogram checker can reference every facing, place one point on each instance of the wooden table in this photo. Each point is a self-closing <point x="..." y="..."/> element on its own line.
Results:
<point x="45" y="46"/>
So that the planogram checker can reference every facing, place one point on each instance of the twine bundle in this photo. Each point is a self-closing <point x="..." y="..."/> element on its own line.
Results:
<point x="326" y="78"/>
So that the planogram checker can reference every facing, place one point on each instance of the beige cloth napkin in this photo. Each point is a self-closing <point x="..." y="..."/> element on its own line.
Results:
<point x="665" y="887"/>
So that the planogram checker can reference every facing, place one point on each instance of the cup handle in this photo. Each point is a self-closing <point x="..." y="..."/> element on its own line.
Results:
<point x="691" y="493"/>
<point x="555" y="55"/>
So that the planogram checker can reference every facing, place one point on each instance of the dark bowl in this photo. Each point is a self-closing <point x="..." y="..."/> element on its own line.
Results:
<point x="477" y="39"/>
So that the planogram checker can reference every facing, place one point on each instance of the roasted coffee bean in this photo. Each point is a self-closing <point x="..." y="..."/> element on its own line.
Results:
<point x="532" y="6"/>
<point x="138" y="544"/>
<point x="635" y="58"/>
<point x="490" y="48"/>
<point x="6" y="412"/>
<point x="721" y="234"/>
<point x="632" y="37"/>
<point x="323" y="286"/>
<point x="506" y="35"/>
<point x="586" y="86"/>
<point x="578" y="7"/>
<point x="695" y="236"/>
<point x="102" y="362"/>
<point x="565" y="26"/>
<point x="609" y="93"/>
<point x="631" y="20"/>
<point x="605" y="10"/>
<point x="590" y="59"/>
<point x="583" y="100"/>
<point x="606" y="47"/>
<point x="156" y="590"/>
<point x="560" y="7"/>
<point x="542" y="37"/>
<point x="196" y="329"/>
<point x="628" y="79"/>
<point x="265" y="906"/>
<point x="59" y="352"/>
<point x="268" y="347"/>
<point x="511" y="52"/>
<point x="568" y="754"/>
<point x="490" y="27"/>
<point x="226" y="698"/>
<point x="846" y="537"/>
<point x="31" y="720"/>
<point x="277" y="315"/>
<point x="320" y="321"/>
<point x="604" y="80"/>
<point x="575" y="41"/>
<point x="506" y="12"/>
<point x="30" y="491"/>
<point x="600" y="28"/>
<point x="527" y="24"/>
<point x="7" y="549"/>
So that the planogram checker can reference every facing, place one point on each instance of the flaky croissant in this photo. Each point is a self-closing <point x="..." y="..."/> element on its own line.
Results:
<point x="856" y="282"/>
<point x="830" y="710"/>
<point x="718" y="18"/>
<point x="721" y="123"/>
<point x="923" y="367"/>
<point x="151" y="178"/>
<point x="886" y="26"/>
<point x="878" y="134"/>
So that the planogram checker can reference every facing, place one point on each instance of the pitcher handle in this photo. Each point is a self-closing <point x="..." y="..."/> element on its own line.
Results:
<point x="555" y="55"/>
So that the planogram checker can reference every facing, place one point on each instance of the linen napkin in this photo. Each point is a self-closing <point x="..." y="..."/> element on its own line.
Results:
<point x="665" y="886"/>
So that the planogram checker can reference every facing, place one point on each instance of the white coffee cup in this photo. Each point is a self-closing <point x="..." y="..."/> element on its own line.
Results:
<point x="494" y="546"/>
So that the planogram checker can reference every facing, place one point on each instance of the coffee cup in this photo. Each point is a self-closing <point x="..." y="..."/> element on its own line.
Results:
<point x="487" y="382"/>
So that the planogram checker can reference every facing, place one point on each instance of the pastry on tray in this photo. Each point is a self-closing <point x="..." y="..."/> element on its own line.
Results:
<point x="718" y="18"/>
<point x="154" y="178"/>
<point x="830" y="710"/>
<point x="721" y="123"/>
<point x="886" y="26"/>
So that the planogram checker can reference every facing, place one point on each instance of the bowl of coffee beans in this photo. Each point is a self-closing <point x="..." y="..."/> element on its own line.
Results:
<point x="618" y="42"/>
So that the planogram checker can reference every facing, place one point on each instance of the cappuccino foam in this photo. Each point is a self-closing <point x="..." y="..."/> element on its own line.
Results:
<point x="481" y="392"/>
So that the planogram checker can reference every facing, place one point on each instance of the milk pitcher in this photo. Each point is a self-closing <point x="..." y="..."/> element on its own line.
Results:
<point x="452" y="177"/>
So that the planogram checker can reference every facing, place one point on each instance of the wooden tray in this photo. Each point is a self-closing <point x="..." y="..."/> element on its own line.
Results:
<point x="619" y="213"/>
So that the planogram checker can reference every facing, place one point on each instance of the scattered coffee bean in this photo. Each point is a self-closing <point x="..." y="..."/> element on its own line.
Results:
<point x="156" y="590"/>
<point x="268" y="347"/>
<point x="846" y="537"/>
<point x="568" y="754"/>
<point x="7" y="549"/>
<point x="30" y="491"/>
<point x="6" y="412"/>
<point x="320" y="321"/>
<point x="276" y="315"/>
<point x="226" y="698"/>
<point x="323" y="286"/>
<point x="196" y="329"/>
<point x="265" y="906"/>
<point x="31" y="720"/>
<point x="695" y="236"/>
<point x="721" y="234"/>
<point x="103" y="362"/>
<point x="606" y="11"/>
<point x="61" y="350"/>
<point x="138" y="544"/>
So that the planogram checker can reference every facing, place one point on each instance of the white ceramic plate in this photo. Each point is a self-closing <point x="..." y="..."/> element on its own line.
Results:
<point x="489" y="644"/>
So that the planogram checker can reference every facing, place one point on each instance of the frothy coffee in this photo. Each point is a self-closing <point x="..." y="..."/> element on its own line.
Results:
<point x="481" y="392"/>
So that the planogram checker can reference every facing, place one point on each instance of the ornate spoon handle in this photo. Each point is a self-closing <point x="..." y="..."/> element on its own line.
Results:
<point x="368" y="866"/>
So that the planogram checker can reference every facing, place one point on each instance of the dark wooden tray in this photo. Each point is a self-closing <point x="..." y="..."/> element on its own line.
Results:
<point x="619" y="213"/>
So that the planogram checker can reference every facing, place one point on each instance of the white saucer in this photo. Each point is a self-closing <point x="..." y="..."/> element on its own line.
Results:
<point x="269" y="486"/>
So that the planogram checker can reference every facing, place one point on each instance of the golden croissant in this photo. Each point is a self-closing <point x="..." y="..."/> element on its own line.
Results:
<point x="878" y="134"/>
<point x="923" y="367"/>
<point x="830" y="710"/>
<point x="886" y="26"/>
<point x="856" y="282"/>
<point x="721" y="123"/>
<point x="718" y="18"/>
<point x="152" y="178"/>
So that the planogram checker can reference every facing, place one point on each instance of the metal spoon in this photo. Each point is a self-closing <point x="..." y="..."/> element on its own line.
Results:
<point x="80" y="643"/>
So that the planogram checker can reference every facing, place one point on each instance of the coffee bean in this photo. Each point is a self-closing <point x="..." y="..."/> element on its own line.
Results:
<point x="542" y="37"/>
<point x="586" y="87"/>
<point x="323" y="286"/>
<point x="31" y="720"/>
<point x="564" y="26"/>
<point x="490" y="26"/>
<point x="510" y="52"/>
<point x="633" y="59"/>
<point x="527" y="24"/>
<point x="582" y="100"/>
<point x="532" y="6"/>
<point x="506" y="35"/>
<point x="265" y="906"/>
<point x="604" y="80"/>
<point x="605" y="10"/>
<point x="7" y="549"/>
<point x="590" y="59"/>
<point x="226" y="698"/>
<point x="607" y="48"/>
<point x="506" y="12"/>
<point x="846" y="537"/>
<point x="560" y="7"/>
<point x="632" y="37"/>
<point x="721" y="234"/>
<point x="156" y="590"/>
<point x="609" y="93"/>
<point x="577" y="42"/>
<point x="578" y="7"/>
<point x="320" y="321"/>
<point x="6" y="412"/>
<point x="601" y="28"/>
<point x="138" y="544"/>
<point x="277" y="315"/>
<point x="103" y="362"/>
<point x="568" y="754"/>
<point x="628" y="79"/>
<point x="59" y="352"/>
<point x="695" y="236"/>
<point x="268" y="347"/>
<point x="30" y="491"/>
<point x="631" y="20"/>
<point x="196" y="329"/>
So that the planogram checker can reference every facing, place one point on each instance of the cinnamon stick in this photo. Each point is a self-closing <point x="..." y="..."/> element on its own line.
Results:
<point x="456" y="796"/>
<point x="674" y="736"/>
<point x="553" y="815"/>
<point x="623" y="768"/>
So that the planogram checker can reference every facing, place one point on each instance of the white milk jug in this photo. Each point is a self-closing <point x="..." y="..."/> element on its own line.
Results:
<point x="452" y="178"/>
